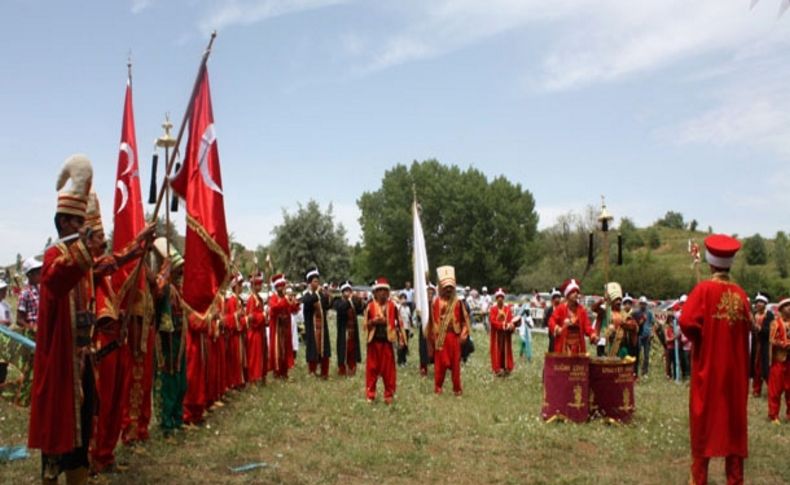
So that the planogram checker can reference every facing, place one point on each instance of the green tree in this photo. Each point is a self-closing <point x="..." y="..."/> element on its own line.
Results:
<point x="693" y="225"/>
<point x="672" y="220"/>
<point x="780" y="254"/>
<point x="755" y="250"/>
<point x="310" y="237"/>
<point x="653" y="238"/>
<point x="631" y="237"/>
<point x="479" y="226"/>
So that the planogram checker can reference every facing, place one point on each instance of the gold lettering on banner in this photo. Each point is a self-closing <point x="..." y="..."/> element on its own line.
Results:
<point x="626" y="401"/>
<point x="577" y="397"/>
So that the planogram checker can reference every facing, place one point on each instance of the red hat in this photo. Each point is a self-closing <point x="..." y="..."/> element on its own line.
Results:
<point x="569" y="286"/>
<point x="783" y="302"/>
<point x="720" y="250"/>
<point x="499" y="292"/>
<point x="278" y="280"/>
<point x="257" y="278"/>
<point x="381" y="283"/>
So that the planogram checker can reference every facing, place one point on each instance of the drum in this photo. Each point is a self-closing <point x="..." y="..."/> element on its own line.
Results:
<point x="612" y="389"/>
<point x="566" y="387"/>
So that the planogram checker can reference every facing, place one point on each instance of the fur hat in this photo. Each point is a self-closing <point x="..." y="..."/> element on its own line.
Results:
<point x="74" y="200"/>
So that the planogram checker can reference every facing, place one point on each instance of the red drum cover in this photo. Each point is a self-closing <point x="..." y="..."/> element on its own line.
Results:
<point x="566" y="387"/>
<point x="612" y="389"/>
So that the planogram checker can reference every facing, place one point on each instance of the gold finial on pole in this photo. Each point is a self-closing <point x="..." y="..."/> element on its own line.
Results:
<point x="604" y="219"/>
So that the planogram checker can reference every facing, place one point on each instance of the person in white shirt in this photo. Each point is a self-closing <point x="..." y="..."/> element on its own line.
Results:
<point x="485" y="306"/>
<point x="296" y="318"/>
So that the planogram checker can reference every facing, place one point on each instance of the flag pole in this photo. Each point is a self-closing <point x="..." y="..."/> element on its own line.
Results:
<point x="187" y="114"/>
<point x="168" y="168"/>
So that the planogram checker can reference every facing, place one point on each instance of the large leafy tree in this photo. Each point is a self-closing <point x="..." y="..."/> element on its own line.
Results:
<point x="481" y="227"/>
<point x="307" y="238"/>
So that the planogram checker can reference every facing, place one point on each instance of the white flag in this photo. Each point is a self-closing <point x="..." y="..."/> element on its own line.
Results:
<point x="783" y="7"/>
<point x="420" y="261"/>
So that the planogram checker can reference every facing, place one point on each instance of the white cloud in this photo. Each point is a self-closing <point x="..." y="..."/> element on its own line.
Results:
<point x="227" y="13"/>
<point x="590" y="41"/>
<point x="140" y="5"/>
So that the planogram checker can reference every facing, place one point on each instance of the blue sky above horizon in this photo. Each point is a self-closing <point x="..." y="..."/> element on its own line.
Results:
<point x="673" y="105"/>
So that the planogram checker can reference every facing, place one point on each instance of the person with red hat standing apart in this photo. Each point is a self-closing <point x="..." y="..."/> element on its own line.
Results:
<point x="717" y="319"/>
<point x="502" y="326"/>
<point x="569" y="322"/>
<point x="383" y="331"/>
<point x="449" y="329"/>
<point x="779" y="378"/>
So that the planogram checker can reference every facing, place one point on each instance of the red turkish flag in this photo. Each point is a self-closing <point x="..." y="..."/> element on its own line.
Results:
<point x="128" y="216"/>
<point x="199" y="182"/>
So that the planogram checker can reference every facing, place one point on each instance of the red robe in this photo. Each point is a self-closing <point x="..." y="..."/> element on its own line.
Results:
<point x="235" y="327"/>
<point x="717" y="320"/>
<point x="570" y="340"/>
<point x="281" y="353"/>
<point x="257" y="364"/>
<point x="501" y="346"/>
<point x="54" y="398"/>
<point x="110" y="372"/>
<point x="195" y="399"/>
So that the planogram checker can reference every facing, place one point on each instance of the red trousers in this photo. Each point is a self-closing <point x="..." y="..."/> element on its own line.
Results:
<point x="313" y="367"/>
<point x="448" y="358"/>
<point x="778" y="384"/>
<point x="110" y="377"/>
<point x="733" y="467"/>
<point x="380" y="363"/>
<point x="138" y="385"/>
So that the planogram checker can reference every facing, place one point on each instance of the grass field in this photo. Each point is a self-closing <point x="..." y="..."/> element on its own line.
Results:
<point x="310" y="431"/>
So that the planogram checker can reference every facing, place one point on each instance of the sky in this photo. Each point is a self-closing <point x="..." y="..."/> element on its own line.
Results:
<point x="658" y="104"/>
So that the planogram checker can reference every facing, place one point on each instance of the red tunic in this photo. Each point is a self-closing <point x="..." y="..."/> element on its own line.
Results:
<point x="571" y="339"/>
<point x="501" y="346"/>
<point x="55" y="394"/>
<point x="195" y="399"/>
<point x="281" y="355"/>
<point x="717" y="320"/>
<point x="256" y="339"/>
<point x="234" y="325"/>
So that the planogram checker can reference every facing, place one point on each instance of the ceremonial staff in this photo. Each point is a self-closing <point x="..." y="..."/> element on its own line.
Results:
<point x="168" y="168"/>
<point x="604" y="219"/>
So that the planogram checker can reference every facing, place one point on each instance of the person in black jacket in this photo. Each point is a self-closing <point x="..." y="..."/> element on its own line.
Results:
<point x="761" y="326"/>
<point x="348" y="307"/>
<point x="314" y="306"/>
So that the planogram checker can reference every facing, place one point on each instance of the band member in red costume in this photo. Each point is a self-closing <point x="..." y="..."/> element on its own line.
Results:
<point x="502" y="327"/>
<point x="717" y="319"/>
<point x="779" y="381"/>
<point x="449" y="329"/>
<point x="281" y="354"/>
<point x="383" y="332"/>
<point x="569" y="322"/>
<point x="235" y="325"/>
<point x="257" y="355"/>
